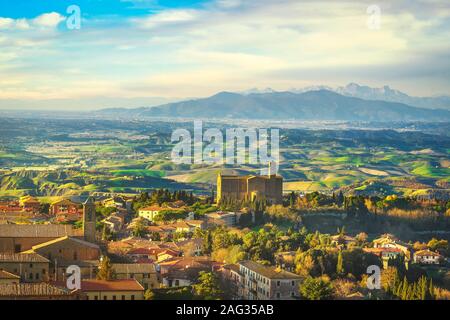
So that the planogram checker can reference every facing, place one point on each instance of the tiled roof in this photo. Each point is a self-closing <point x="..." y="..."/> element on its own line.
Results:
<point x="22" y="257"/>
<point x="268" y="272"/>
<point x="133" y="268"/>
<point x="69" y="239"/>
<point x="112" y="285"/>
<point x="8" y="275"/>
<point x="151" y="208"/>
<point x="31" y="289"/>
<point x="427" y="253"/>
<point x="35" y="230"/>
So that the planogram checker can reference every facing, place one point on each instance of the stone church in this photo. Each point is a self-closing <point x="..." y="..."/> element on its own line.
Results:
<point x="250" y="187"/>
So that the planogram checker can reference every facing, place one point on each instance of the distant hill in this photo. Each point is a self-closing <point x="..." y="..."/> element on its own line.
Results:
<point x="310" y="105"/>
<point x="387" y="94"/>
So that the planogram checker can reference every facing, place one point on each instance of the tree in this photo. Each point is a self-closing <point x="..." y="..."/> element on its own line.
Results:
<point x="316" y="288"/>
<point x="340" y="264"/>
<point x="105" y="271"/>
<point x="149" y="295"/>
<point x="139" y="229"/>
<point x="208" y="286"/>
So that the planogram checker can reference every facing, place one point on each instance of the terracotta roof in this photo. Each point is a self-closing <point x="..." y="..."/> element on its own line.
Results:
<point x="427" y="253"/>
<point x="152" y="208"/>
<point x="133" y="268"/>
<point x="8" y="275"/>
<point x="22" y="257"/>
<point x="31" y="289"/>
<point x="268" y="272"/>
<point x="66" y="238"/>
<point x="35" y="230"/>
<point x="65" y="202"/>
<point x="112" y="285"/>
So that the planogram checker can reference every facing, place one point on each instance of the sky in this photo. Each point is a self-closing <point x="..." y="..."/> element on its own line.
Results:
<point x="131" y="53"/>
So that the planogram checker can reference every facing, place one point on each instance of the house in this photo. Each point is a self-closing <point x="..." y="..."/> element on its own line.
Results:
<point x="232" y="280"/>
<point x="144" y="273"/>
<point x="30" y="267"/>
<point x="8" y="277"/>
<point x="30" y="204"/>
<point x="390" y="241"/>
<point x="184" y="271"/>
<point x="428" y="257"/>
<point x="341" y="240"/>
<point x="156" y="253"/>
<point x="16" y="238"/>
<point x="126" y="289"/>
<point x="114" y="223"/>
<point x="259" y="282"/>
<point x="150" y="212"/>
<point x="66" y="251"/>
<point x="191" y="247"/>
<point x="114" y="202"/>
<point x="228" y="219"/>
<point x="35" y="291"/>
<point x="66" y="210"/>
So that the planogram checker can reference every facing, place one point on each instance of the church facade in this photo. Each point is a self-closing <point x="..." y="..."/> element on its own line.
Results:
<point x="250" y="187"/>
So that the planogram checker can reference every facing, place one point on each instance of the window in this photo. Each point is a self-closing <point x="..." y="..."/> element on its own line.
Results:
<point x="95" y="297"/>
<point x="43" y="271"/>
<point x="177" y="283"/>
<point x="293" y="283"/>
<point x="114" y="297"/>
<point x="75" y="256"/>
<point x="105" y="297"/>
<point x="31" y="265"/>
<point x="123" y="297"/>
<point x="31" y="276"/>
<point x="292" y="293"/>
<point x="37" y="276"/>
<point x="132" y="297"/>
<point x="278" y="295"/>
<point x="278" y="283"/>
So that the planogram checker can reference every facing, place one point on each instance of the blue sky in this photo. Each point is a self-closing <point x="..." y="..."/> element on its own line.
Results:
<point x="131" y="53"/>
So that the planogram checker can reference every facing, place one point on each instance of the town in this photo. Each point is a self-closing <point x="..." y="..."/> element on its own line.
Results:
<point x="246" y="240"/>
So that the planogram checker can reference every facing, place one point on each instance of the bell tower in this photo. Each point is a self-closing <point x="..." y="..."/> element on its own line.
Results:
<point x="89" y="220"/>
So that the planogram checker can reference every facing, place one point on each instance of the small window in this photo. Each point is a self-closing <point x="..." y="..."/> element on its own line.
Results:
<point x="37" y="276"/>
<point x="278" y="283"/>
<point x="105" y="297"/>
<point x="123" y="297"/>
<point x="31" y="276"/>
<point x="278" y="295"/>
<point x="293" y="283"/>
<point x="114" y="298"/>
<point x="43" y="271"/>
<point x="31" y="265"/>
<point x="132" y="297"/>
<point x="95" y="297"/>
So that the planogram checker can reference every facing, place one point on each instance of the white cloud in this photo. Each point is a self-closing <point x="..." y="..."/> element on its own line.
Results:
<point x="49" y="20"/>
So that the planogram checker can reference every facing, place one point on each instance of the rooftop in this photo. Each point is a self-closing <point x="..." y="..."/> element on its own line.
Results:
<point x="35" y="230"/>
<point x="8" y="275"/>
<point x="268" y="272"/>
<point x="31" y="289"/>
<point x="22" y="257"/>
<point x="133" y="268"/>
<point x="112" y="285"/>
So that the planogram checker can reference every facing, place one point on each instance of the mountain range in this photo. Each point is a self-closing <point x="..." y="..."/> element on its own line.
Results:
<point x="313" y="104"/>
